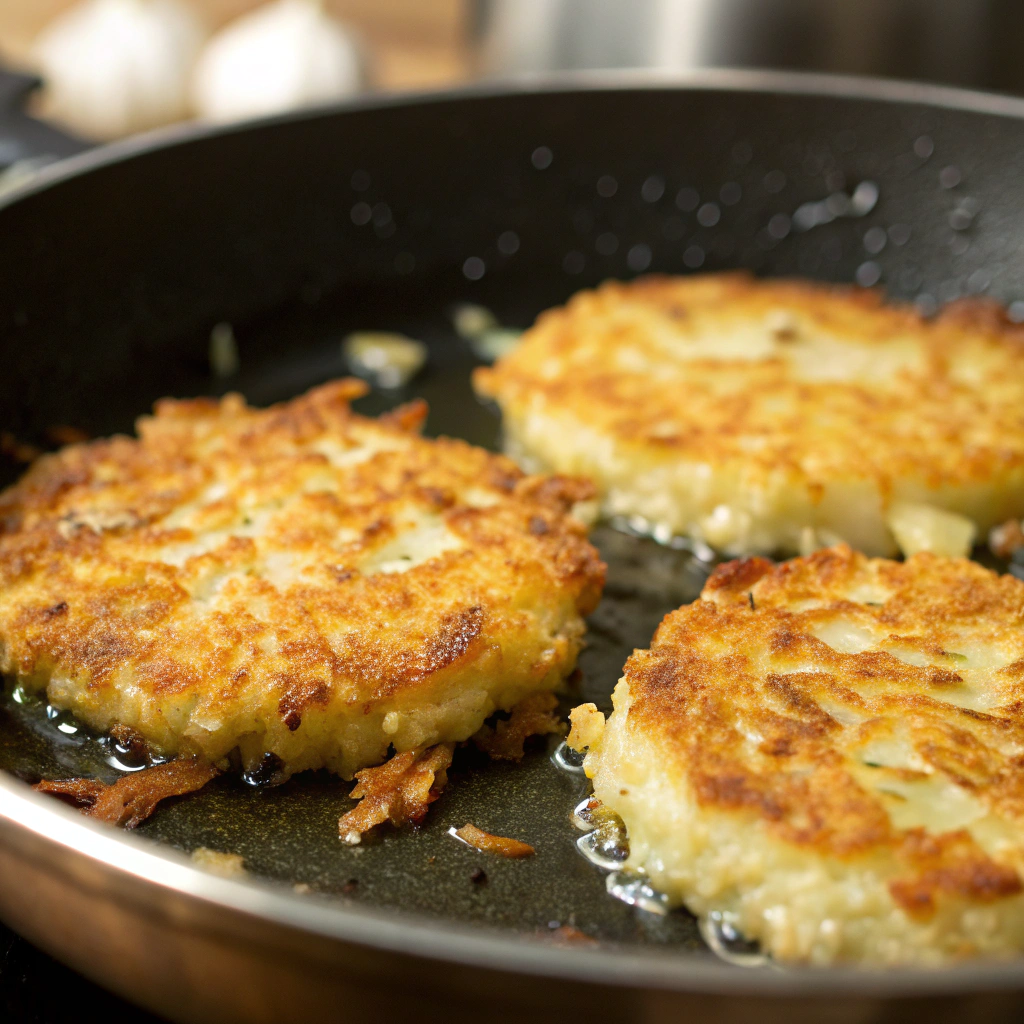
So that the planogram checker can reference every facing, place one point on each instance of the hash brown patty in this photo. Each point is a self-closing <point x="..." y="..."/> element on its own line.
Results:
<point x="828" y="756"/>
<point x="774" y="416"/>
<point x="298" y="581"/>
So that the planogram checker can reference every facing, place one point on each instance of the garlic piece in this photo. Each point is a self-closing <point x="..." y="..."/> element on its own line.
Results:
<point x="386" y="360"/>
<point x="113" y="67"/>
<point x="283" y="55"/>
<point x="479" y="326"/>
<point x="224" y="361"/>
<point x="470" y="320"/>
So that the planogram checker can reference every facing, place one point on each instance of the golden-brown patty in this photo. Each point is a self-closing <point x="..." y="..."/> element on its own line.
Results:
<point x="297" y="580"/>
<point x="764" y="416"/>
<point x="829" y="755"/>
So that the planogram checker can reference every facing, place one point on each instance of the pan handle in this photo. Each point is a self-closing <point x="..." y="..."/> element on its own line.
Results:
<point x="24" y="140"/>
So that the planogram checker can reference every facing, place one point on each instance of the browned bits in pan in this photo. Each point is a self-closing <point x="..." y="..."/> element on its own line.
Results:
<point x="133" y="798"/>
<point x="514" y="849"/>
<point x="398" y="791"/>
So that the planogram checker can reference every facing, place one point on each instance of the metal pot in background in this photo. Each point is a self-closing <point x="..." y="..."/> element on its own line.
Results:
<point x="962" y="42"/>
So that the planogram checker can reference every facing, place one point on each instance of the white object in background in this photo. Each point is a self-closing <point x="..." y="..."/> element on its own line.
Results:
<point x="287" y="54"/>
<point x="113" y="67"/>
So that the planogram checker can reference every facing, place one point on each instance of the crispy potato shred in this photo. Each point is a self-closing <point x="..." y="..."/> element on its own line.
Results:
<point x="535" y="716"/>
<point x="133" y="798"/>
<point x="399" y="791"/>
<point x="488" y="843"/>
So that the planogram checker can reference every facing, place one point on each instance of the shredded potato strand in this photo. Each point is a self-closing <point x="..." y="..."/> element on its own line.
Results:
<point x="399" y="791"/>
<point x="535" y="716"/>
<point x="488" y="843"/>
<point x="133" y="798"/>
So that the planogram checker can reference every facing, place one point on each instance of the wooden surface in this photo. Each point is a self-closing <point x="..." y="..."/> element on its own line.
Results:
<point x="412" y="43"/>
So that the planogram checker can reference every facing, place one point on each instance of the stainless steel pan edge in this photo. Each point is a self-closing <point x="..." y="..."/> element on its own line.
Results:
<point x="285" y="954"/>
<point x="118" y="894"/>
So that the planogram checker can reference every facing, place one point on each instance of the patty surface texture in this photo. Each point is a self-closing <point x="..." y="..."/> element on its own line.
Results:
<point x="827" y="755"/>
<point x="774" y="416"/>
<point x="298" y="581"/>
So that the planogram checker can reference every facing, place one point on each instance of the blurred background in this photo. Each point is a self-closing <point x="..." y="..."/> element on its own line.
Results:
<point x="413" y="43"/>
<point x="112" y="67"/>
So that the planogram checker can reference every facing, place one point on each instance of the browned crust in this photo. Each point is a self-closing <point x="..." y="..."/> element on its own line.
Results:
<point x="948" y="865"/>
<point x="745" y="661"/>
<point x="975" y="312"/>
<point x="739" y="574"/>
<point x="534" y="716"/>
<point x="133" y="798"/>
<point x="966" y="395"/>
<point x="87" y="592"/>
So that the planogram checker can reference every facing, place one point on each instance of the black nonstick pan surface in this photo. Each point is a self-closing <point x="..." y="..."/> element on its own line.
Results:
<point x="115" y="267"/>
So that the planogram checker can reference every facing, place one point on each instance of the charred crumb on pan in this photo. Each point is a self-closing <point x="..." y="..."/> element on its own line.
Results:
<point x="130" y="742"/>
<point x="350" y="886"/>
<point x="696" y="425"/>
<point x="268" y="772"/>
<point x="853" y="739"/>
<point x="297" y="581"/>
<point x="478" y="876"/>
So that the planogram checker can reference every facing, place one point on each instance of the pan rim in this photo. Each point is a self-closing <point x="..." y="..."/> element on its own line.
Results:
<point x="736" y="80"/>
<point x="67" y="839"/>
<point x="71" y="844"/>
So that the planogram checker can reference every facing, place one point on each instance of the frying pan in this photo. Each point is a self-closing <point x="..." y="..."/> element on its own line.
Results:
<point x="382" y="214"/>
